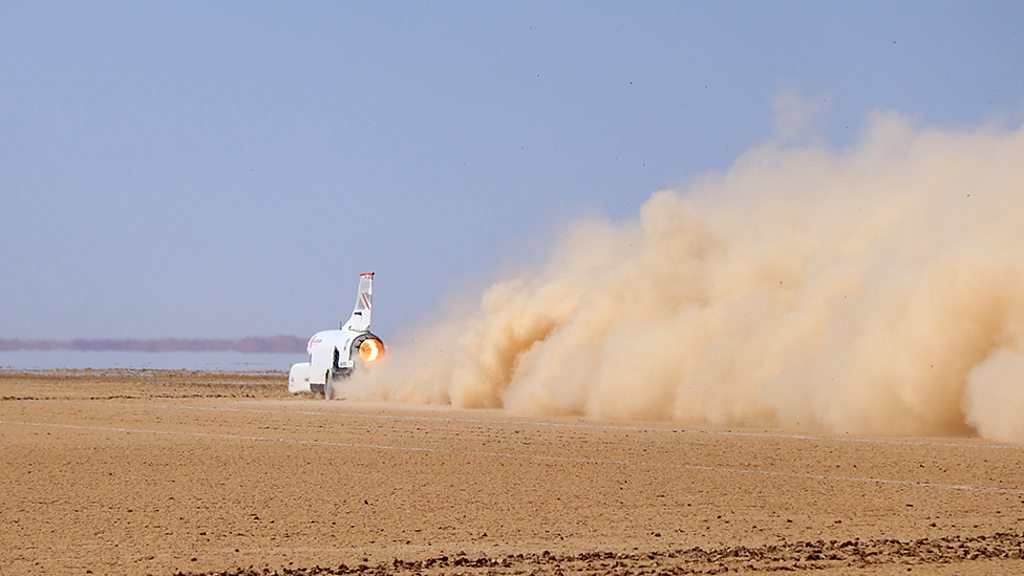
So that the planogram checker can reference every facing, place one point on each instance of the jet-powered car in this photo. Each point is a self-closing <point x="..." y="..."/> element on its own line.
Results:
<point x="335" y="354"/>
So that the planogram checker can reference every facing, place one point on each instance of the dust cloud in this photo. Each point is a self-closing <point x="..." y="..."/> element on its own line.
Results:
<point x="877" y="289"/>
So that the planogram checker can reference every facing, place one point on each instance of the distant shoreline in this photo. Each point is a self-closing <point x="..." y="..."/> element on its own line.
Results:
<point x="34" y="360"/>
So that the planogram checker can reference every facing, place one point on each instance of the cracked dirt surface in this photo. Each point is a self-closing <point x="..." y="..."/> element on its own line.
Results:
<point x="165" y="472"/>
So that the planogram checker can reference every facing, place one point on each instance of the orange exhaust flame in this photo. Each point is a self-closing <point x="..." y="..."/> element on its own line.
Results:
<point x="370" y="350"/>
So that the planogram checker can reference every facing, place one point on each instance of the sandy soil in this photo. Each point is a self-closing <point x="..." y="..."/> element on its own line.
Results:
<point x="158" y="472"/>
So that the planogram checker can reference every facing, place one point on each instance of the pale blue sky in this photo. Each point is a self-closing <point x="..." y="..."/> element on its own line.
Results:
<point x="220" y="169"/>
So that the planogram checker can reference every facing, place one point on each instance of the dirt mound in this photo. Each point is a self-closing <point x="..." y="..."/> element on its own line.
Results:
<point x="802" y="556"/>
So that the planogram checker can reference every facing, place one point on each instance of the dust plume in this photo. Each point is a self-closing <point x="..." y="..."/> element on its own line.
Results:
<point x="877" y="289"/>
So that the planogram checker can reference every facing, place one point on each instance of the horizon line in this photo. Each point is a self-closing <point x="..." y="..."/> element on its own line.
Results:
<point x="280" y="344"/>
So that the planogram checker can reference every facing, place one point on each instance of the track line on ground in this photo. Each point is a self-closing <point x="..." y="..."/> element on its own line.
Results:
<point x="570" y="425"/>
<point x="531" y="457"/>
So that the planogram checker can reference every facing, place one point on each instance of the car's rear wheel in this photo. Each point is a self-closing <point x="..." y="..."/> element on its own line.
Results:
<point x="328" y="385"/>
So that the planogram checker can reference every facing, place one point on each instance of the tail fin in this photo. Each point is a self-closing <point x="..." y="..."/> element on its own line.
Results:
<point x="360" y="320"/>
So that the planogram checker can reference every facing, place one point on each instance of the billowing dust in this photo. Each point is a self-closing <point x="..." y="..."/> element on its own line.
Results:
<point x="877" y="289"/>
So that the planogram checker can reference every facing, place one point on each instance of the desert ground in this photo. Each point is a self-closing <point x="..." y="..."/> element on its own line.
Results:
<point x="170" y="472"/>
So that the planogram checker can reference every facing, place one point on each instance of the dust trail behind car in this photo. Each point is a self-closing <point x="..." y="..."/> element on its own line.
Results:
<point x="873" y="289"/>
